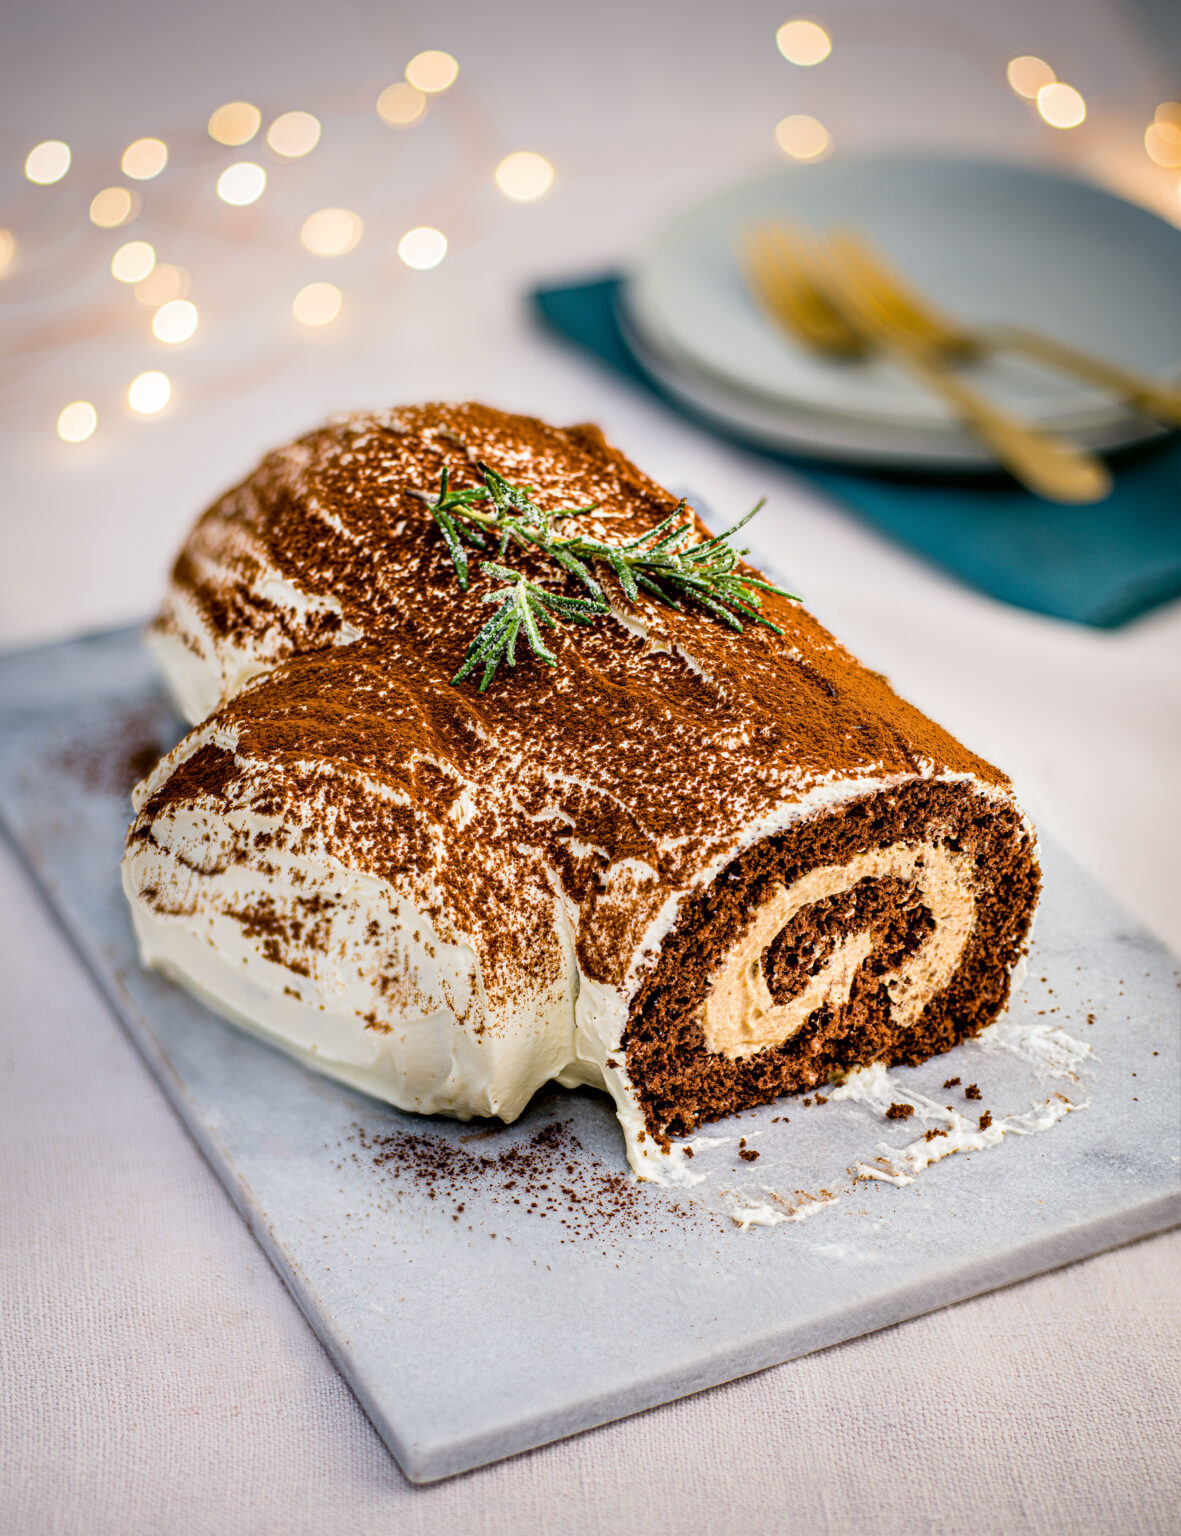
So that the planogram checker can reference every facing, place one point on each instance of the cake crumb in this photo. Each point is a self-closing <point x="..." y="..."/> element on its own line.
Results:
<point x="985" y="1120"/>
<point x="931" y="1134"/>
<point x="972" y="1092"/>
<point x="823" y="1099"/>
<point x="748" y="1154"/>
<point x="900" y="1112"/>
<point x="952" y="1082"/>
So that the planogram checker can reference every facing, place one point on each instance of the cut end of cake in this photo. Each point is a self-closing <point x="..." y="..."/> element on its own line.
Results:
<point x="885" y="930"/>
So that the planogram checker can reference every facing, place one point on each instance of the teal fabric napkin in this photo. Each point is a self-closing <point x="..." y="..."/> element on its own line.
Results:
<point x="1101" y="565"/>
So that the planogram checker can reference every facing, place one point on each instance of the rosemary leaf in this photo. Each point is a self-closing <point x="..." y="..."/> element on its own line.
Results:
<point x="663" y="561"/>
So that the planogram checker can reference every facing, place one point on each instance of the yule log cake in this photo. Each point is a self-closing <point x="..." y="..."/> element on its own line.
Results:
<point x="694" y="864"/>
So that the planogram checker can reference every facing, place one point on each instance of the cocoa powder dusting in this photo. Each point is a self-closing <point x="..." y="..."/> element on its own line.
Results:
<point x="544" y="1176"/>
<point x="113" y="759"/>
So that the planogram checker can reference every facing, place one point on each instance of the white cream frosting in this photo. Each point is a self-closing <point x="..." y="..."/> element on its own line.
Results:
<point x="388" y="1003"/>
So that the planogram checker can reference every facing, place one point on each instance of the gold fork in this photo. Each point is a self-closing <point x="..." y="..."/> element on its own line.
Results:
<point x="1151" y="398"/>
<point x="827" y="304"/>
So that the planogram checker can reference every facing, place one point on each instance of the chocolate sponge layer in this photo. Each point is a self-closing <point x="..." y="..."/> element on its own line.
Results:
<point x="682" y="1083"/>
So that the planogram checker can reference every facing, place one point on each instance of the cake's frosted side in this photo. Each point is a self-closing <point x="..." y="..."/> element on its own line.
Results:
<point x="545" y="863"/>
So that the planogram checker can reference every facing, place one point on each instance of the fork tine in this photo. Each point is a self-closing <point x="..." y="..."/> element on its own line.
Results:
<point x="893" y="290"/>
<point x="785" y="286"/>
<point x="779" y="295"/>
<point x="849" y="287"/>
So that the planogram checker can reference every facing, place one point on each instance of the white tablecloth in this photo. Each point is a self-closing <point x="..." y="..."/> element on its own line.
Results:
<point x="156" y="1375"/>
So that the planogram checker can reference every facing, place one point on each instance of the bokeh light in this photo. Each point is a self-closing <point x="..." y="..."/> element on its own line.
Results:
<point x="422" y="247"/>
<point x="144" y="159"/>
<point x="77" y="422"/>
<point x="1027" y="74"/>
<point x="235" y="123"/>
<point x="524" y="176"/>
<point x="1061" y="105"/>
<point x="1162" y="140"/>
<point x="802" y="137"/>
<point x="803" y="42"/>
<point x="241" y="183"/>
<point x="317" y="304"/>
<point x="294" y="134"/>
<point x="331" y="232"/>
<point x="112" y="207"/>
<point x="175" y="321"/>
<point x="164" y="282"/>
<point x="149" y="392"/>
<point x="48" y="162"/>
<point x="7" y="250"/>
<point x="401" y="104"/>
<point x="432" y="71"/>
<point x="132" y="262"/>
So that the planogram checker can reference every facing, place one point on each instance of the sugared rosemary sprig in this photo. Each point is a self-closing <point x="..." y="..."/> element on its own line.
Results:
<point x="665" y="561"/>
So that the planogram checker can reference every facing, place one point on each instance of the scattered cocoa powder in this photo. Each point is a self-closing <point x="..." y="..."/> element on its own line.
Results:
<point x="545" y="1175"/>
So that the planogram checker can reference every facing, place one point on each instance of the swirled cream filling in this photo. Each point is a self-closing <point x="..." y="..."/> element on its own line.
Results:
<point x="739" y="1016"/>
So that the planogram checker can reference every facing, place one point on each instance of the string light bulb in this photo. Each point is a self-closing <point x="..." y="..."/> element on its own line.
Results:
<point x="803" y="42"/>
<point x="432" y="71"/>
<point x="234" y="123"/>
<point x="317" y="304"/>
<point x="7" y="250"/>
<point x="132" y="262"/>
<point x="802" y="137"/>
<point x="77" y="422"/>
<point x="294" y="135"/>
<point x="331" y="232"/>
<point x="148" y="393"/>
<point x="1061" y="105"/>
<point x="175" y="321"/>
<point x="144" y="159"/>
<point x="422" y="247"/>
<point x="241" y="183"/>
<point x="1027" y="74"/>
<point x="113" y="207"/>
<point x="524" y="176"/>
<point x="401" y="104"/>
<point x="47" y="162"/>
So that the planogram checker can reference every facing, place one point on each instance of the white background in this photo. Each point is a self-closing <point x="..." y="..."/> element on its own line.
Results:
<point x="155" y="1374"/>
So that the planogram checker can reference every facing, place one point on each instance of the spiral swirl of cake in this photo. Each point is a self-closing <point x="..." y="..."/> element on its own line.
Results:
<point x="698" y="869"/>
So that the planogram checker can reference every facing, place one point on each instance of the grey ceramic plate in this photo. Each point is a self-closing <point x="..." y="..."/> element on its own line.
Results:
<point x="486" y="1288"/>
<point x="987" y="241"/>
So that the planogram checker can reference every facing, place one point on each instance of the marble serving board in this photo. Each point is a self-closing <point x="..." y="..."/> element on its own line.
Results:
<point x="486" y="1288"/>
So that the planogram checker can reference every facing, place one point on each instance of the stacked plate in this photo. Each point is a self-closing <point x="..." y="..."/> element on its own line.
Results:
<point x="987" y="242"/>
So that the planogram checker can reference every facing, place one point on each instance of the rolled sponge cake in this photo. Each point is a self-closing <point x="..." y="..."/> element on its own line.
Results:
<point x="696" y="868"/>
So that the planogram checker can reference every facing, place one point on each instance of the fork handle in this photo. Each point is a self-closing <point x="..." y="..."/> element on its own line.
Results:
<point x="1160" y="401"/>
<point x="1049" y="465"/>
